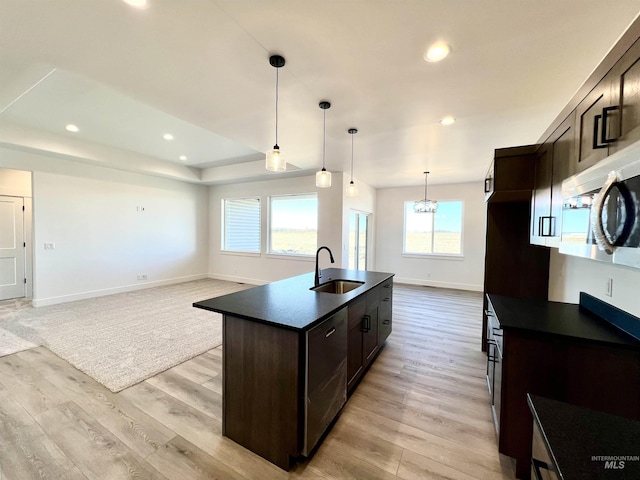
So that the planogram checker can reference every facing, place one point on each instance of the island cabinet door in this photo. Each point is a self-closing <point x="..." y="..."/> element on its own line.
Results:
<point x="262" y="389"/>
<point x="326" y="376"/>
<point x="355" y="314"/>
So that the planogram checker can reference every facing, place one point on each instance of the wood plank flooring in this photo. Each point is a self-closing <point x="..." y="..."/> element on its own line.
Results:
<point x="421" y="412"/>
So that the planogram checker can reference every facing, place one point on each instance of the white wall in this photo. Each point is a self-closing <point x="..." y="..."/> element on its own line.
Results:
<point x="102" y="242"/>
<point x="569" y="276"/>
<point x="264" y="268"/>
<point x="466" y="273"/>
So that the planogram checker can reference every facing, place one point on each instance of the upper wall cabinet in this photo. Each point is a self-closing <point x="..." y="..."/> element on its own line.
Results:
<point x="596" y="119"/>
<point x="510" y="175"/>
<point x="609" y="117"/>
<point x="625" y="94"/>
<point x="554" y="162"/>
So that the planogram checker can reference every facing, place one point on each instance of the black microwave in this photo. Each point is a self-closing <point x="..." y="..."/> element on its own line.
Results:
<point x="601" y="210"/>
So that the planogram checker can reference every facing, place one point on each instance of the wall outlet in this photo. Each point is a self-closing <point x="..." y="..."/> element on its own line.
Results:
<point x="139" y="208"/>
<point x="49" y="246"/>
<point x="142" y="276"/>
<point x="609" y="287"/>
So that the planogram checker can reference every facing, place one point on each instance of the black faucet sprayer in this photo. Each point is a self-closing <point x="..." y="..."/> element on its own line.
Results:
<point x="316" y="281"/>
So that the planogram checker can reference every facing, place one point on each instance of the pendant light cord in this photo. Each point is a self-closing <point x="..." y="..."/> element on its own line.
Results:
<point x="324" y="135"/>
<point x="425" y="186"/>
<point x="277" y="105"/>
<point x="352" y="158"/>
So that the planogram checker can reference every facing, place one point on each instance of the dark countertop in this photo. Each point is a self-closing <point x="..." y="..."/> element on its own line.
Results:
<point x="557" y="318"/>
<point x="290" y="303"/>
<point x="575" y="435"/>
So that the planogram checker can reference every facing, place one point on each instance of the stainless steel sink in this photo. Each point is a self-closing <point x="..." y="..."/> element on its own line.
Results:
<point x="338" y="286"/>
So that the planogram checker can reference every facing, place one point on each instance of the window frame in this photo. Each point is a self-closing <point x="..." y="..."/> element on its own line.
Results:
<point x="295" y="256"/>
<point x="223" y="227"/>
<point x="448" y="256"/>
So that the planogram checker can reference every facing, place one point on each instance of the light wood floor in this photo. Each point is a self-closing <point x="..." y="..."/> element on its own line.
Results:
<point x="421" y="412"/>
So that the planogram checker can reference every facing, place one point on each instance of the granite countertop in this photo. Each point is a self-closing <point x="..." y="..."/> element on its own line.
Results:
<point x="290" y="303"/>
<point x="557" y="318"/>
<point x="579" y="439"/>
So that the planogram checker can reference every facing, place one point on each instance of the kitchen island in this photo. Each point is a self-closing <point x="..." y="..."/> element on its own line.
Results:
<point x="292" y="353"/>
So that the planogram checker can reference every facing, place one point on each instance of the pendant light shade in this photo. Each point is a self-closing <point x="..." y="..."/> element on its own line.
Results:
<point x="323" y="177"/>
<point x="275" y="161"/>
<point x="425" y="205"/>
<point x="352" y="189"/>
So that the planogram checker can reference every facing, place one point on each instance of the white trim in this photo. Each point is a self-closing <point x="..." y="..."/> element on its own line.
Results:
<point x="431" y="283"/>
<point x="434" y="256"/>
<point x="232" y="278"/>
<point x="290" y="256"/>
<point x="239" y="253"/>
<point x="43" y="302"/>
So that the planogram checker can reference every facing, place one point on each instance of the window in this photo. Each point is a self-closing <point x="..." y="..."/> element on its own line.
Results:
<point x="293" y="228"/>
<point x="433" y="234"/>
<point x="241" y="225"/>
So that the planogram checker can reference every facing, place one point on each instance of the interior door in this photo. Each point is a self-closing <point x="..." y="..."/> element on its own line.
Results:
<point x="12" y="248"/>
<point x="358" y="240"/>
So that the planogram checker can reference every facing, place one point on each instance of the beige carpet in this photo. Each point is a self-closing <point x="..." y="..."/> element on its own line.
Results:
<point x="122" y="339"/>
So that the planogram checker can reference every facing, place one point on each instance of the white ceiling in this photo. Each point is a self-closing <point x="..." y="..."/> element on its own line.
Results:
<point x="199" y="69"/>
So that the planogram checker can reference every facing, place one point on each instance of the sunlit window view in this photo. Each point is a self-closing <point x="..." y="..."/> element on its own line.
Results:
<point x="293" y="224"/>
<point x="433" y="234"/>
<point x="241" y="225"/>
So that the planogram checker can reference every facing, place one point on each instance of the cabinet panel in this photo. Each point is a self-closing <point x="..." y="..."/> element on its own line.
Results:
<point x="326" y="376"/>
<point x="590" y="120"/>
<point x="626" y="95"/>
<point x="369" y="335"/>
<point x="541" y="200"/>
<point x="554" y="164"/>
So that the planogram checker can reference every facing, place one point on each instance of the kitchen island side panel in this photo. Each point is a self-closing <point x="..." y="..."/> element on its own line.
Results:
<point x="262" y="388"/>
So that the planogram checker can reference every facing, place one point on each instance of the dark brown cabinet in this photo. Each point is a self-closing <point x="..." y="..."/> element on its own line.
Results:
<point x="369" y="323"/>
<point x="625" y="96"/>
<point x="554" y="163"/>
<point x="512" y="265"/>
<point x="509" y="177"/>
<point x="326" y="376"/>
<point x="609" y="117"/>
<point x="595" y="124"/>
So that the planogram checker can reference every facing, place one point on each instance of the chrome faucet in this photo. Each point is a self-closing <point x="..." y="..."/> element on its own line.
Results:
<point x="316" y="281"/>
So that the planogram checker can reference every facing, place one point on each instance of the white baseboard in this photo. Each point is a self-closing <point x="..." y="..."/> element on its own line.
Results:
<point x="232" y="278"/>
<point x="431" y="283"/>
<point x="43" y="302"/>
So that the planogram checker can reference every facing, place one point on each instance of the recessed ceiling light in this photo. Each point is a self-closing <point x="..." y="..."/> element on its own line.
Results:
<point x="167" y="136"/>
<point x="183" y="157"/>
<point x="448" y="120"/>
<point x="436" y="52"/>
<point x="72" y="128"/>
<point x="136" y="3"/>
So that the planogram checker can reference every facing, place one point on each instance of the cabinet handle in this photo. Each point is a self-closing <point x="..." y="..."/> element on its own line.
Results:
<point x="496" y="331"/>
<point x="487" y="185"/>
<point x="488" y="313"/>
<point x="388" y="285"/>
<point x="386" y="299"/>
<point x="331" y="331"/>
<point x="546" y="226"/>
<point x="537" y="465"/>
<point x="366" y="324"/>
<point x="386" y="322"/>
<point x="602" y="132"/>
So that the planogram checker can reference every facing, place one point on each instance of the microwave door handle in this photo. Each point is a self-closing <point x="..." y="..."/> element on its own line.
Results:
<point x="596" y="215"/>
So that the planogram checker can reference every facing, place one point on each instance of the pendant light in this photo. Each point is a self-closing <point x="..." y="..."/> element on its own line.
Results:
<point x="426" y="205"/>
<point x="323" y="177"/>
<point x="352" y="190"/>
<point x="275" y="161"/>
